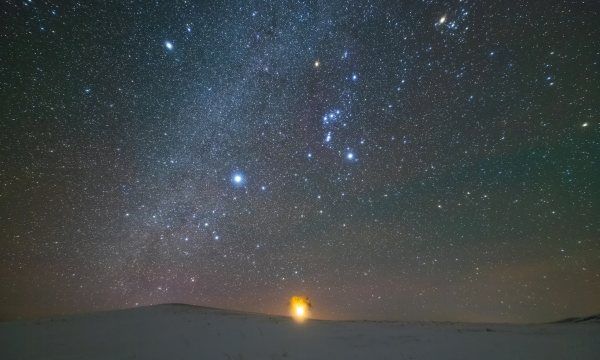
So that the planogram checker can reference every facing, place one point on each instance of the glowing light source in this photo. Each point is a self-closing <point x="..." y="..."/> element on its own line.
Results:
<point x="350" y="155"/>
<point x="238" y="179"/>
<point x="299" y="307"/>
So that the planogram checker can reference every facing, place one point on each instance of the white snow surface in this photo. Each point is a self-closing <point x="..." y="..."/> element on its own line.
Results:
<point x="190" y="332"/>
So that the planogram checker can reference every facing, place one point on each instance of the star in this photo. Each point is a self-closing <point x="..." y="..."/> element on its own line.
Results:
<point x="350" y="156"/>
<point x="238" y="179"/>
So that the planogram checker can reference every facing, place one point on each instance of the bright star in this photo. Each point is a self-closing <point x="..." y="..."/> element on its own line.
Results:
<point x="238" y="179"/>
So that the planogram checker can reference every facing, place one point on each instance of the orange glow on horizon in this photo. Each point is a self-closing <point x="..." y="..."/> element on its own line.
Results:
<point x="299" y="307"/>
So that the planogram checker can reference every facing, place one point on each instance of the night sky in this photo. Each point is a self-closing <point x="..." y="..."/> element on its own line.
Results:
<point x="413" y="160"/>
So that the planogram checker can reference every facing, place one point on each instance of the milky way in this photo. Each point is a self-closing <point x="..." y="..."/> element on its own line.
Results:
<point x="416" y="160"/>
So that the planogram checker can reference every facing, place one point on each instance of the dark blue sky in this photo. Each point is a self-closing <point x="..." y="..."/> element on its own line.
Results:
<point x="418" y="160"/>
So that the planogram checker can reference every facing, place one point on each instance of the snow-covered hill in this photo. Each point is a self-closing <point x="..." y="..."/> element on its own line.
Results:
<point x="189" y="332"/>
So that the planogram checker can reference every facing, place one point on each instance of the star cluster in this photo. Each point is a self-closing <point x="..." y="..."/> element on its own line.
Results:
<point x="420" y="160"/>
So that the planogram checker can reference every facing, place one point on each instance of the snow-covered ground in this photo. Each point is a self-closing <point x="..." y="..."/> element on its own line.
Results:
<point x="188" y="332"/>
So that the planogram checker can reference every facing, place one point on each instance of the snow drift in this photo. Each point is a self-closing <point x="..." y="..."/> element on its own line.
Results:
<point x="190" y="332"/>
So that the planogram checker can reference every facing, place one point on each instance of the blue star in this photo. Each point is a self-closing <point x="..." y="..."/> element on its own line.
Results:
<point x="238" y="179"/>
<point x="350" y="156"/>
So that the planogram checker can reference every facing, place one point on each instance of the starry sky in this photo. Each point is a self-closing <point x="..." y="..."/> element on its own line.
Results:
<point x="412" y="160"/>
